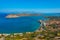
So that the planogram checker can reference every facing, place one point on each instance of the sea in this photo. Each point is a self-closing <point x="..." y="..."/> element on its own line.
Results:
<point x="21" y="24"/>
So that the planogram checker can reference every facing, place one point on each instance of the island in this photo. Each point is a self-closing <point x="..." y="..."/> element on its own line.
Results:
<point x="19" y="15"/>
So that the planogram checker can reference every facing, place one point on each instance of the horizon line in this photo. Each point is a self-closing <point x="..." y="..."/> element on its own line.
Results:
<point x="31" y="10"/>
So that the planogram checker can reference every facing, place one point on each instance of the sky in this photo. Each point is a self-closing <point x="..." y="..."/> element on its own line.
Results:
<point x="44" y="6"/>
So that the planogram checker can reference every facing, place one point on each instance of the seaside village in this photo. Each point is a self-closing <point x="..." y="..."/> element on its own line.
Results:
<point x="49" y="30"/>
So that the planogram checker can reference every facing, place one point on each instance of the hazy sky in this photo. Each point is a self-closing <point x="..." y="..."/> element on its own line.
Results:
<point x="30" y="5"/>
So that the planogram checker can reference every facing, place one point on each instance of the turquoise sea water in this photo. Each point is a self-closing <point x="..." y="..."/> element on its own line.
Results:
<point x="20" y="24"/>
